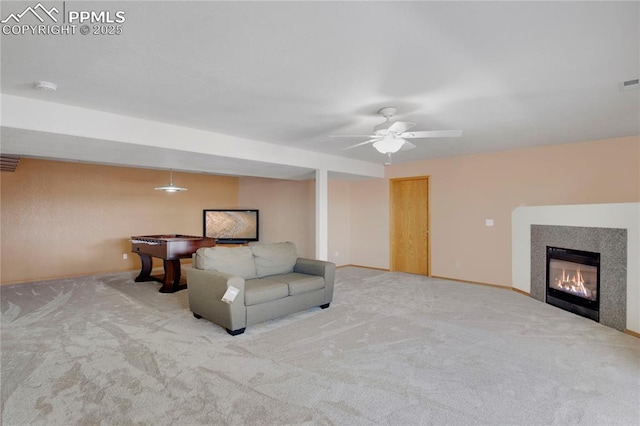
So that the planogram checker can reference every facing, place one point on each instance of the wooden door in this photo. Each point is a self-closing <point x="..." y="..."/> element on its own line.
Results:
<point x="410" y="225"/>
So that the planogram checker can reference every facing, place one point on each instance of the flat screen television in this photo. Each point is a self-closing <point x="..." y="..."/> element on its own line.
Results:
<point x="231" y="225"/>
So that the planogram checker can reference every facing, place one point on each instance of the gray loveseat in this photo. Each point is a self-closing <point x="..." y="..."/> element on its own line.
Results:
<point x="270" y="279"/>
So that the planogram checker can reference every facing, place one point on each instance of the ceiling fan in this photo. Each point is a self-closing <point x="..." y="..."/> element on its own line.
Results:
<point x="390" y="137"/>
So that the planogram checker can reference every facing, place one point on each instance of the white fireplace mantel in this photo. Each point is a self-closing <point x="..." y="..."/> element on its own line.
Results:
<point x="620" y="215"/>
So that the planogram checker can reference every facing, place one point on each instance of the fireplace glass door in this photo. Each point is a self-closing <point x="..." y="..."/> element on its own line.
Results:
<point x="573" y="281"/>
<point x="574" y="278"/>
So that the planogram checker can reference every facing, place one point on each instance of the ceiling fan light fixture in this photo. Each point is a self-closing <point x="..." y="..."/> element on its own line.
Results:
<point x="390" y="137"/>
<point x="171" y="187"/>
<point x="389" y="145"/>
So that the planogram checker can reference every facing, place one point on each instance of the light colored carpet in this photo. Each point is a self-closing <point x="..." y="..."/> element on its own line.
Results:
<point x="392" y="349"/>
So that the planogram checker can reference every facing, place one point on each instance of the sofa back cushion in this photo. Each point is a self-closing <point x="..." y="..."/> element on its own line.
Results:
<point x="232" y="260"/>
<point x="276" y="258"/>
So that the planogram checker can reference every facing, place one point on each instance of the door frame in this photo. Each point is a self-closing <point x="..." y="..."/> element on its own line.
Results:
<point x="392" y="245"/>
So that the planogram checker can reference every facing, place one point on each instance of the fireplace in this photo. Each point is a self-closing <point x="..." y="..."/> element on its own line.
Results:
<point x="573" y="281"/>
<point x="612" y="245"/>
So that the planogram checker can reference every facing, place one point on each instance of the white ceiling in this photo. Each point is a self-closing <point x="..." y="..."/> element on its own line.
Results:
<point x="509" y="74"/>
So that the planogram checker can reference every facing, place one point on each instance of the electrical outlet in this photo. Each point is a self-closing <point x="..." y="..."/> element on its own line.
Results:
<point x="125" y="256"/>
<point x="488" y="222"/>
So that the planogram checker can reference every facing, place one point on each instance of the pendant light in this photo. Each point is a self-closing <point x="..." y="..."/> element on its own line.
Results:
<point x="171" y="187"/>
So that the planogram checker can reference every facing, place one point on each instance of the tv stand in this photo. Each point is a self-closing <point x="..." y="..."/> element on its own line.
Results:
<point x="235" y="242"/>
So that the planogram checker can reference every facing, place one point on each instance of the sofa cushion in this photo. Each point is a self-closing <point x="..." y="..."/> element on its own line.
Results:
<point x="273" y="259"/>
<point x="301" y="283"/>
<point x="263" y="290"/>
<point x="232" y="260"/>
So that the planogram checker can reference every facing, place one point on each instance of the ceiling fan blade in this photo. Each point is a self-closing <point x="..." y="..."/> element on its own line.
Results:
<point x="400" y="127"/>
<point x="433" y="134"/>
<point x="407" y="146"/>
<point x="362" y="143"/>
<point x="350" y="136"/>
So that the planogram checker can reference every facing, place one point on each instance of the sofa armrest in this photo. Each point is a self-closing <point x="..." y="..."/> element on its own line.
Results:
<point x="326" y="270"/>
<point x="205" y="291"/>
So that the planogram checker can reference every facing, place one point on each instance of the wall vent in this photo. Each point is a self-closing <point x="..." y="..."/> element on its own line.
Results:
<point x="630" y="84"/>
<point x="9" y="163"/>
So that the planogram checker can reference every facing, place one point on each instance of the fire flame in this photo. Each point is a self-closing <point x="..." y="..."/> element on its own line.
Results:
<point x="573" y="283"/>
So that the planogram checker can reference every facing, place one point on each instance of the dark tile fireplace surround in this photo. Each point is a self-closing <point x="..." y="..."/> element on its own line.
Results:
<point x="611" y="243"/>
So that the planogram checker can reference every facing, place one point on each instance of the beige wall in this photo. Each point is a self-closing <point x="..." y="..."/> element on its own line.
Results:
<point x="464" y="191"/>
<point x="63" y="219"/>
<point x="287" y="210"/>
<point x="370" y="223"/>
<point x="339" y="245"/>
<point x="287" y="213"/>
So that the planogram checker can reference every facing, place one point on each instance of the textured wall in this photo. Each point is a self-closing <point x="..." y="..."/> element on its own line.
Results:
<point x="611" y="243"/>
<point x="287" y="210"/>
<point x="64" y="219"/>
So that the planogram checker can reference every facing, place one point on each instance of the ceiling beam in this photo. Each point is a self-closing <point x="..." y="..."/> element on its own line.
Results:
<point x="75" y="122"/>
